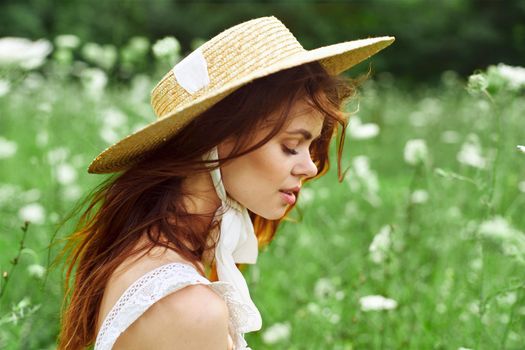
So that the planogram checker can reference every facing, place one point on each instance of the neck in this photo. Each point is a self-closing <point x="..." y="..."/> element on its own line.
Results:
<point x="200" y="198"/>
<point x="199" y="195"/>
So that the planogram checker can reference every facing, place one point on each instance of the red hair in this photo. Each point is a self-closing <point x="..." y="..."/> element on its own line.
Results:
<point x="140" y="199"/>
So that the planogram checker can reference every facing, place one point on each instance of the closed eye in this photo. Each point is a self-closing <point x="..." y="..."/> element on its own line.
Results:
<point x="289" y="150"/>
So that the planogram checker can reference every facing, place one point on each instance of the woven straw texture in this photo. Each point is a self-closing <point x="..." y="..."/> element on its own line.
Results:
<point x="235" y="57"/>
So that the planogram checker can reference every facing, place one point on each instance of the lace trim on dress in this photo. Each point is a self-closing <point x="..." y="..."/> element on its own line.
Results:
<point x="158" y="283"/>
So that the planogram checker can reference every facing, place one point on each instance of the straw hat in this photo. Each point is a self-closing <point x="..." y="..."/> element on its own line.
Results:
<point x="233" y="58"/>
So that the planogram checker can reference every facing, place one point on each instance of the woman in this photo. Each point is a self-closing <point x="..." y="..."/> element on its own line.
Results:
<point x="243" y="122"/>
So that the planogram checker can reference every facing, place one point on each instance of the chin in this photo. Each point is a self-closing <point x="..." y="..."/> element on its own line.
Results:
<point x="270" y="213"/>
<point x="274" y="215"/>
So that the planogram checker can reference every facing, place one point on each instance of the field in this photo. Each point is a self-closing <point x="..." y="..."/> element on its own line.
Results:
<point x="429" y="218"/>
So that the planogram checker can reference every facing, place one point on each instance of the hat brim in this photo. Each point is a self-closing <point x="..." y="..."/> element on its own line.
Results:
<point x="335" y="58"/>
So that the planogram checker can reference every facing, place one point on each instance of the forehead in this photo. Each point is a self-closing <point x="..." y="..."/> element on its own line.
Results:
<point x="302" y="114"/>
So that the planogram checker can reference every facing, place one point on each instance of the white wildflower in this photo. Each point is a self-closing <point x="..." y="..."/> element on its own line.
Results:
<point x="44" y="107"/>
<point x="361" y="166"/>
<point x="477" y="83"/>
<point x="104" y="56"/>
<point x="497" y="227"/>
<point x="521" y="186"/>
<point x="72" y="192"/>
<point x="511" y="239"/>
<point x="418" y="118"/>
<point x="5" y="87"/>
<point x="360" y="131"/>
<point x="57" y="155"/>
<point x="453" y="212"/>
<point x="113" y="118"/>
<point x="362" y="178"/>
<point x="507" y="298"/>
<point x="334" y="318"/>
<point x="521" y="148"/>
<point x="7" y="193"/>
<point x="476" y="264"/>
<point x="441" y="308"/>
<point x="462" y="348"/>
<point x="416" y="151"/>
<point x="324" y="288"/>
<point x="450" y="78"/>
<point x="23" y="52"/>
<point x="67" y="41"/>
<point x="313" y="308"/>
<point x="34" y="81"/>
<point x="54" y="217"/>
<point x="431" y="105"/>
<point x="166" y="47"/>
<point x="450" y="136"/>
<point x="141" y="85"/>
<point x="376" y="302"/>
<point x="109" y="135"/>
<point x="7" y="148"/>
<point x="23" y="303"/>
<point x="361" y="169"/>
<point x="429" y="110"/>
<point x="419" y="196"/>
<point x="36" y="270"/>
<point x="515" y="76"/>
<point x="276" y="333"/>
<point x="42" y="138"/>
<point x="114" y="123"/>
<point x="473" y="307"/>
<point x="65" y="174"/>
<point x="470" y="153"/>
<point x="94" y="80"/>
<point x="380" y="245"/>
<point x="33" y="212"/>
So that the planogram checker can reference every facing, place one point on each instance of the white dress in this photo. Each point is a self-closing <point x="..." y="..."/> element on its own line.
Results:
<point x="157" y="284"/>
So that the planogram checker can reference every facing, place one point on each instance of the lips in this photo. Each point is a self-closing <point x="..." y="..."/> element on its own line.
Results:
<point x="292" y="190"/>
<point x="288" y="197"/>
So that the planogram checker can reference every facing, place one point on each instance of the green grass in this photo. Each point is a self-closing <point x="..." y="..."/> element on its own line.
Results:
<point x="454" y="287"/>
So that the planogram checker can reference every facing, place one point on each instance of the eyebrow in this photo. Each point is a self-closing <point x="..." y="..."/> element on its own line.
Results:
<point x="305" y="133"/>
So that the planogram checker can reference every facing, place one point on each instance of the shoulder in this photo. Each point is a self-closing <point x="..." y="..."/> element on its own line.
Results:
<point x="130" y="271"/>
<point x="194" y="317"/>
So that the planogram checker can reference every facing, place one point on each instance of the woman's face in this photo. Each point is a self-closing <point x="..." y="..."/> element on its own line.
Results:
<point x="255" y="179"/>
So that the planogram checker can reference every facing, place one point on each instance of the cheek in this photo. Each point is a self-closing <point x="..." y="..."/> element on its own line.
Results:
<point x="271" y="164"/>
<point x="257" y="174"/>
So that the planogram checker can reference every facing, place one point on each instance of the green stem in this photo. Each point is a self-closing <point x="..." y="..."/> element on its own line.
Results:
<point x="511" y="317"/>
<point x="7" y="275"/>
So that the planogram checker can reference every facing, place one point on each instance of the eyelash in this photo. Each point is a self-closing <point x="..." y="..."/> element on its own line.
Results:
<point x="289" y="151"/>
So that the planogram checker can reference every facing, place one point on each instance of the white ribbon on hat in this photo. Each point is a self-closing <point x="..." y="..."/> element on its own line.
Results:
<point x="237" y="244"/>
<point x="192" y="72"/>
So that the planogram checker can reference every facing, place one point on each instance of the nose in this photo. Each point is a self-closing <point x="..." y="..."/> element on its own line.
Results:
<point x="305" y="167"/>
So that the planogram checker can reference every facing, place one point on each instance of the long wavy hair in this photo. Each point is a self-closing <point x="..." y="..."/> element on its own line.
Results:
<point x="140" y="199"/>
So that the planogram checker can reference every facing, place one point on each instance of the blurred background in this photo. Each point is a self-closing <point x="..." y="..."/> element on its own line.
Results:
<point x="432" y="36"/>
<point x="421" y="246"/>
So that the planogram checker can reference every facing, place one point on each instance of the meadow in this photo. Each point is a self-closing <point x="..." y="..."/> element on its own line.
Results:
<point x="422" y="246"/>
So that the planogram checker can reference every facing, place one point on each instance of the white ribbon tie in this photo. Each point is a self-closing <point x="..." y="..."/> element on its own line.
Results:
<point x="237" y="244"/>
